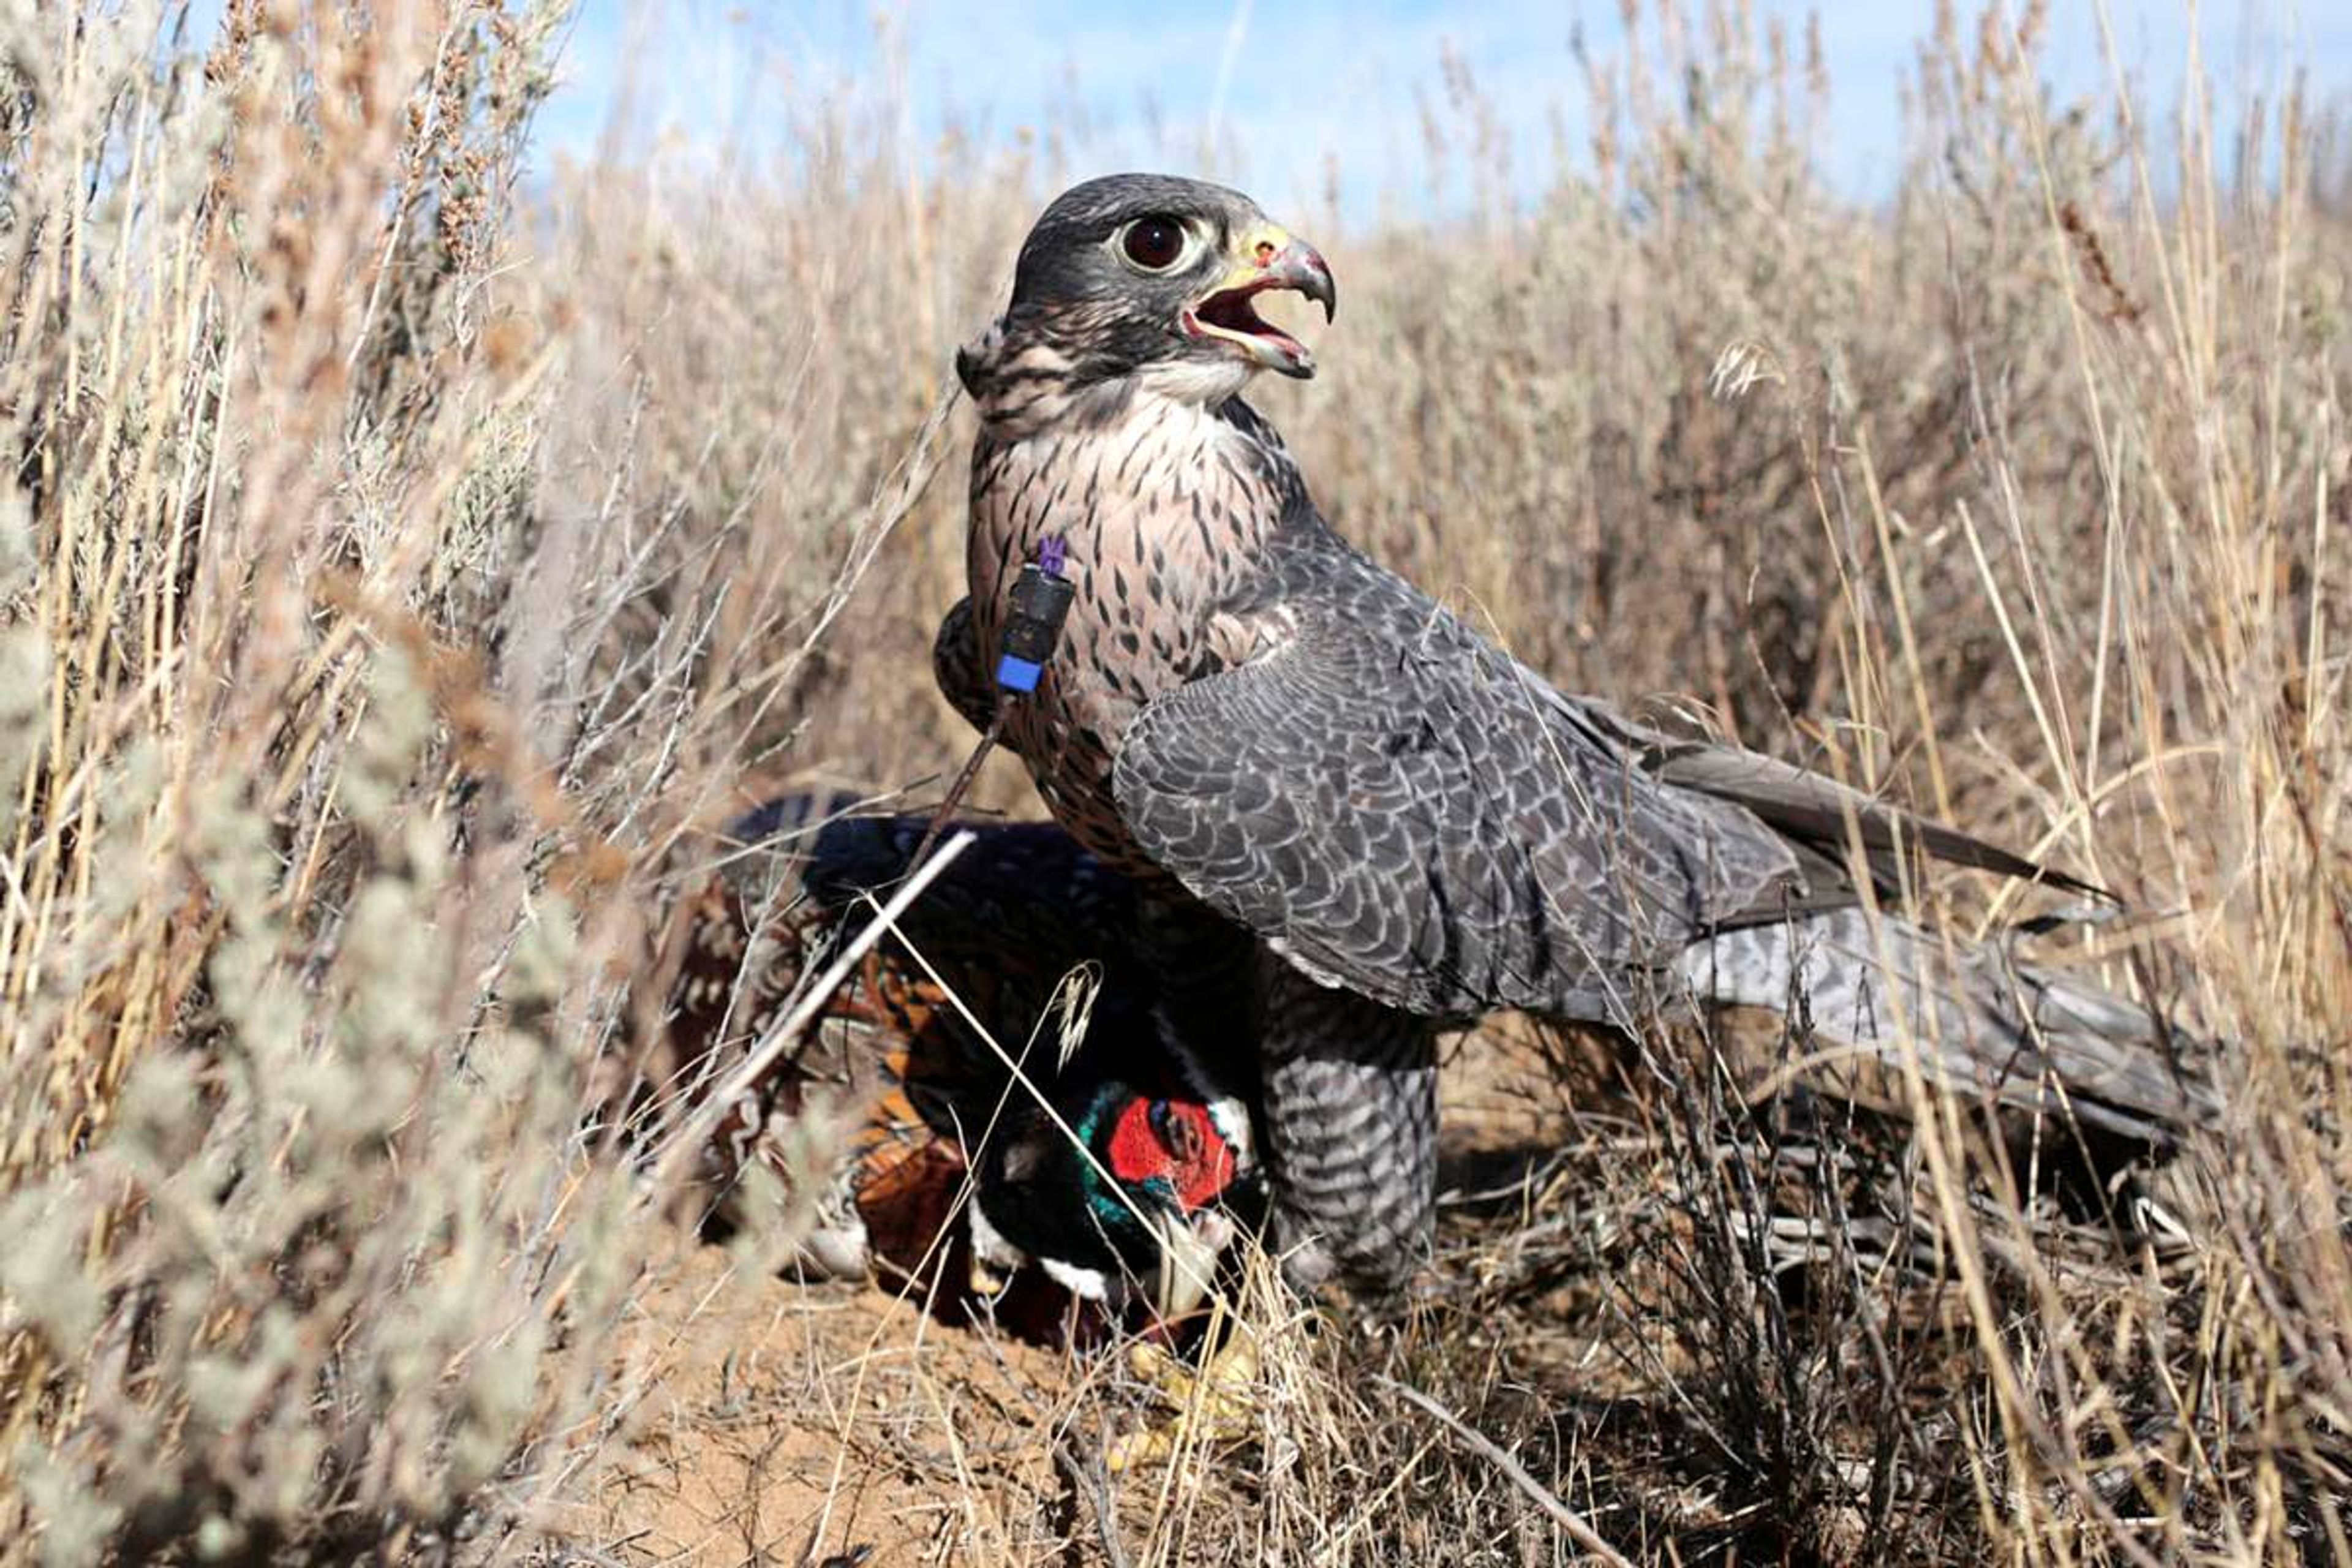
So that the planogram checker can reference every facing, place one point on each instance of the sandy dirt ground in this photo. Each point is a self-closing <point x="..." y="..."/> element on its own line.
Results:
<point x="833" y="1422"/>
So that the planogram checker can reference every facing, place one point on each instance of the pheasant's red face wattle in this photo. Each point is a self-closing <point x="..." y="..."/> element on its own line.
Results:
<point x="1181" y="1146"/>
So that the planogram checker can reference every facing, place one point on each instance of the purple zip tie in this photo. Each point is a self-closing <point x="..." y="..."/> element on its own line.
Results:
<point x="1051" y="552"/>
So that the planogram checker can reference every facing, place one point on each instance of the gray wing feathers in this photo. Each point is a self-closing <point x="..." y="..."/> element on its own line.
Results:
<point x="1818" y="811"/>
<point x="1398" y="808"/>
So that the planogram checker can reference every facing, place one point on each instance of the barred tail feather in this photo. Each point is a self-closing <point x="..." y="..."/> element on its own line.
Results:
<point x="1982" y="1021"/>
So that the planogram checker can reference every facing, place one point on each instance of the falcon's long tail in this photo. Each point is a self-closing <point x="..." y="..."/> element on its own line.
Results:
<point x="1981" y="1023"/>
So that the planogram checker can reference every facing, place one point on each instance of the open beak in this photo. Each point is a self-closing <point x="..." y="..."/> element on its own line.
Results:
<point x="1265" y="257"/>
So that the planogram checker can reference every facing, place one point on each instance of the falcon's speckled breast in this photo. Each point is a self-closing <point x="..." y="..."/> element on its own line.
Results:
<point x="1164" y="506"/>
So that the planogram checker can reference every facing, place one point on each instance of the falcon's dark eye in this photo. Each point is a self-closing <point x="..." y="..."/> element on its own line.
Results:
<point x="1153" y="243"/>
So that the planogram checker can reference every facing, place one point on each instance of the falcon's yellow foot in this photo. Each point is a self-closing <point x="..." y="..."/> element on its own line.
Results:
<point x="1213" y="1405"/>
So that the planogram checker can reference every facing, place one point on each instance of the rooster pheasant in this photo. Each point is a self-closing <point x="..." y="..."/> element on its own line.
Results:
<point x="1122" y="1177"/>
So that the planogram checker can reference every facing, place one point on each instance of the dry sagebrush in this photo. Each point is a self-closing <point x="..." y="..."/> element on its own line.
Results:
<point x="312" y="934"/>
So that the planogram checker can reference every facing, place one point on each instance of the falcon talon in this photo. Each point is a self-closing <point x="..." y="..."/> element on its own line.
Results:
<point x="1215" y="1406"/>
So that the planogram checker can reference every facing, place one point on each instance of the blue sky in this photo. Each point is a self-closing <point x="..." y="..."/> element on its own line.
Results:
<point x="1293" y="89"/>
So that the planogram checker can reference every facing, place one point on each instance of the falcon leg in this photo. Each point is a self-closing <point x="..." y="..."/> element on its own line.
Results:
<point x="1350" y="1124"/>
<point x="1348" y="1111"/>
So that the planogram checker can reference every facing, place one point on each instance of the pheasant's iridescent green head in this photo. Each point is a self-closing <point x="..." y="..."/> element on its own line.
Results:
<point x="1136" y="1206"/>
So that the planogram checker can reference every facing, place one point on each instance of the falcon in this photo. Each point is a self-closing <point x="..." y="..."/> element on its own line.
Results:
<point x="1367" y="820"/>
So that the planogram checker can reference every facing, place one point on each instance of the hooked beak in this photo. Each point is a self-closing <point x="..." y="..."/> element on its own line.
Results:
<point x="1189" y="1250"/>
<point x="1265" y="257"/>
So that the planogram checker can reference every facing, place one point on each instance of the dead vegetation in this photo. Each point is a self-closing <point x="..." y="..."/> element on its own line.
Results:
<point x="401" y="565"/>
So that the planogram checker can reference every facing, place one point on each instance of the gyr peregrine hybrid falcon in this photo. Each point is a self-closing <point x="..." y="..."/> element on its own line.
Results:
<point x="1387" y="822"/>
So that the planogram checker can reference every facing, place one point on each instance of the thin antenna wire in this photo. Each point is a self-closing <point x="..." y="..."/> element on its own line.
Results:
<point x="1236" y="33"/>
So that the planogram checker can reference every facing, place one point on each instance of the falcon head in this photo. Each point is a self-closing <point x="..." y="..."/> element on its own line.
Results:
<point x="1155" y="276"/>
<point x="1138" y="1207"/>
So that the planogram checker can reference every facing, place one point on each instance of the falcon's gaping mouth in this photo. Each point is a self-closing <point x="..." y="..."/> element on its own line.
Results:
<point x="1273" y="260"/>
